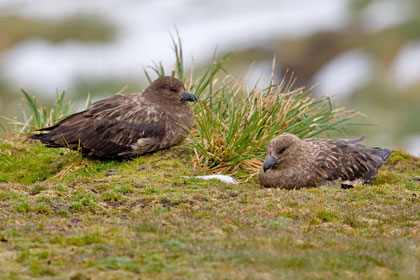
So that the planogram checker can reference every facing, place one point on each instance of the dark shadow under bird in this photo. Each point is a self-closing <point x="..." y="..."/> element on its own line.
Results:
<point x="127" y="125"/>
<point x="292" y="163"/>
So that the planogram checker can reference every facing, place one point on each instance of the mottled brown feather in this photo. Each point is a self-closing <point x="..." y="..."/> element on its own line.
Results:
<point x="126" y="125"/>
<point x="313" y="162"/>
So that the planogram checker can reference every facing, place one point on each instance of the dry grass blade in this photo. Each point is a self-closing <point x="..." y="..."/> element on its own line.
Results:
<point x="42" y="116"/>
<point x="234" y="123"/>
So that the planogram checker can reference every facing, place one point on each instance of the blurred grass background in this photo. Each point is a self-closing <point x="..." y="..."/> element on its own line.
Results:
<point x="379" y="32"/>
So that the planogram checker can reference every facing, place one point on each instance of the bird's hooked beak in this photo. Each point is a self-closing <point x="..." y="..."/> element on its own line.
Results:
<point x="188" y="96"/>
<point x="269" y="162"/>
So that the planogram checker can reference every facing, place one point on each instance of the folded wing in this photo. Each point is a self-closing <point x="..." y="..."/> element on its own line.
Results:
<point x="345" y="161"/>
<point x="113" y="127"/>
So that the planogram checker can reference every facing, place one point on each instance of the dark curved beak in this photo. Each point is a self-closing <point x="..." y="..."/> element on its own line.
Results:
<point x="269" y="162"/>
<point x="188" y="96"/>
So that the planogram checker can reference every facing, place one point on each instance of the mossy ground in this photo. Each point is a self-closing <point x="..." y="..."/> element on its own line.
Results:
<point x="64" y="217"/>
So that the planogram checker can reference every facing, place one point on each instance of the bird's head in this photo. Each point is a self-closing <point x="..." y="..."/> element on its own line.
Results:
<point x="171" y="89"/>
<point x="277" y="148"/>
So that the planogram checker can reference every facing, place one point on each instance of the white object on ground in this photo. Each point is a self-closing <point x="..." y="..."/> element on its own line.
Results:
<point x="223" y="178"/>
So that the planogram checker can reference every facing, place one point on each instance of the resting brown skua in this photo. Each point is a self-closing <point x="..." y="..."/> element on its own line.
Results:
<point x="292" y="163"/>
<point x="127" y="125"/>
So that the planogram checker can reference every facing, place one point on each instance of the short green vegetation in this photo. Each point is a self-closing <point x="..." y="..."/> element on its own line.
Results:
<point x="65" y="217"/>
<point x="29" y="164"/>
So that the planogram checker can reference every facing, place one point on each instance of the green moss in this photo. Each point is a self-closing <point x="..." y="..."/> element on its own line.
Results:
<point x="85" y="239"/>
<point x="124" y="189"/>
<point x="63" y="213"/>
<point x="22" y="207"/>
<point x="36" y="262"/>
<point x="112" y="196"/>
<point x="400" y="168"/>
<point x="412" y="186"/>
<point x="44" y="198"/>
<point x="37" y="189"/>
<point x="400" y="156"/>
<point x="31" y="163"/>
<point x="159" y="225"/>
<point x="76" y="207"/>
<point x="387" y="177"/>
<point x="8" y="195"/>
<point x="42" y="208"/>
<point x="117" y="263"/>
<point x="325" y="216"/>
<point x="61" y="188"/>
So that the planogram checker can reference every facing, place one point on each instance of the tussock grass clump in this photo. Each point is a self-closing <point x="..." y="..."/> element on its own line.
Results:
<point x="235" y="123"/>
<point x="41" y="116"/>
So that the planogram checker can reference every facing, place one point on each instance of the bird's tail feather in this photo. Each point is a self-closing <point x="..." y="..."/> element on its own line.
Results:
<point x="384" y="154"/>
<point x="356" y="139"/>
<point x="45" y="138"/>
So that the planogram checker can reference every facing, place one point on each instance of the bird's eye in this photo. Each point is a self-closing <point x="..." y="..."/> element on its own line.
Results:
<point x="281" y="150"/>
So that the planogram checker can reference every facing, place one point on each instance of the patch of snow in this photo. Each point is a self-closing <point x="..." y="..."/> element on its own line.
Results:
<point x="412" y="144"/>
<point x="259" y="75"/>
<point x="405" y="69"/>
<point x="344" y="74"/>
<point x="385" y="13"/>
<point x="143" y="34"/>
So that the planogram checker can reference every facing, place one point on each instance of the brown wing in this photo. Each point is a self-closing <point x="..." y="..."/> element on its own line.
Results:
<point x="108" y="138"/>
<point x="110" y="128"/>
<point x="340" y="160"/>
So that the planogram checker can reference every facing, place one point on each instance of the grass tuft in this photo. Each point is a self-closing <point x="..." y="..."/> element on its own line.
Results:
<point x="235" y="123"/>
<point x="325" y="216"/>
<point x="42" y="116"/>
